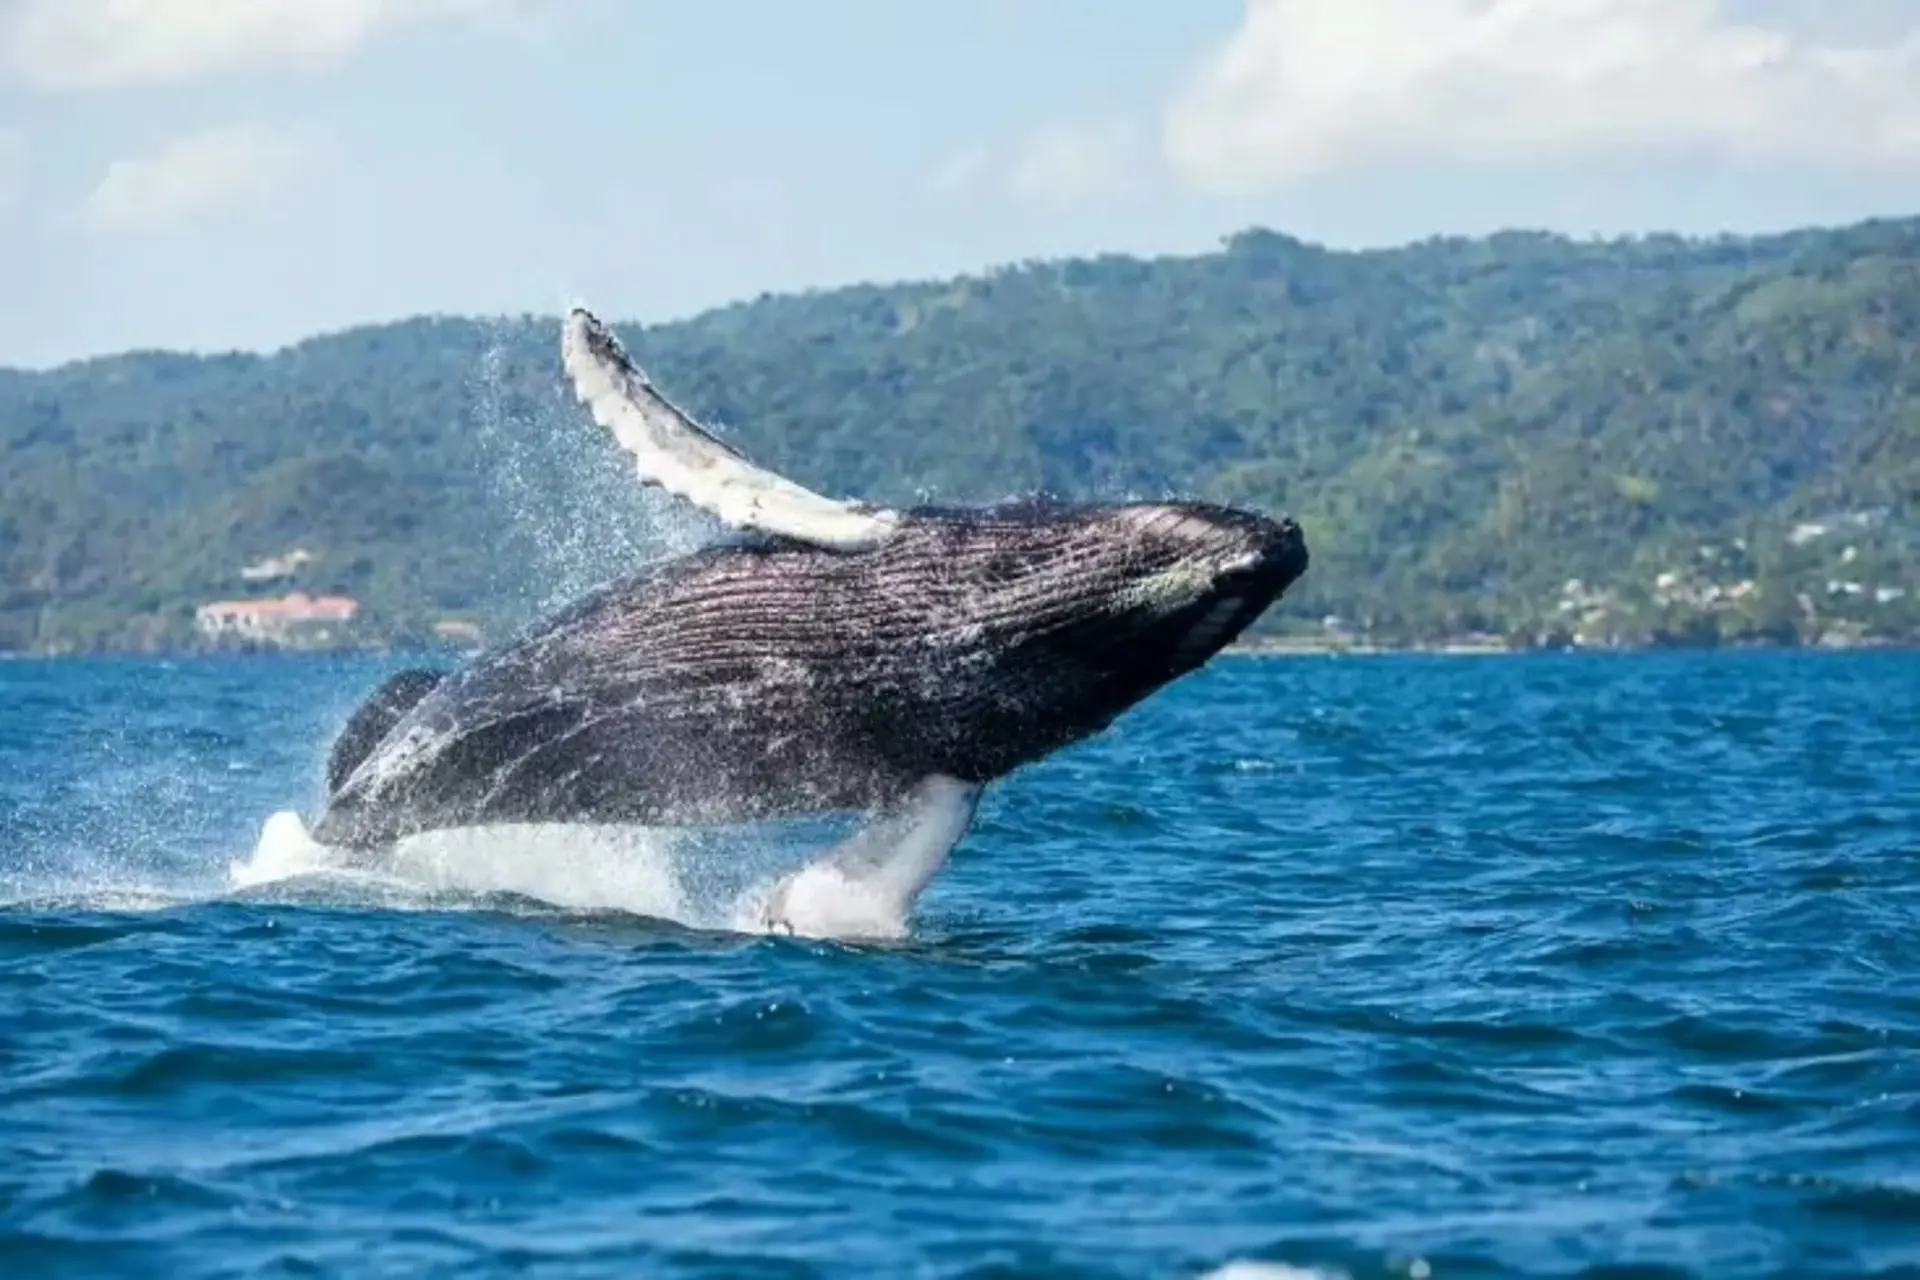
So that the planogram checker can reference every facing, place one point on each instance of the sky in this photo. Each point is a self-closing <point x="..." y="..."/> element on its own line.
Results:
<point x="222" y="174"/>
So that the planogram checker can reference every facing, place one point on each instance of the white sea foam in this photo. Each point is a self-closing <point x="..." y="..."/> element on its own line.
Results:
<point x="631" y="870"/>
<point x="1256" y="1269"/>
<point x="739" y="880"/>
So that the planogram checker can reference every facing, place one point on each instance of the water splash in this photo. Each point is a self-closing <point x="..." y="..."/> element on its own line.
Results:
<point x="721" y="879"/>
<point x="571" y="515"/>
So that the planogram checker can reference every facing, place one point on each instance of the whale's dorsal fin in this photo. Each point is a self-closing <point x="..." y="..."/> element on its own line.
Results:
<point x="673" y="451"/>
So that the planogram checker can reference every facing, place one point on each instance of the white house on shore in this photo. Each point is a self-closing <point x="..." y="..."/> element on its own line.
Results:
<point x="275" y="567"/>
<point x="295" y="618"/>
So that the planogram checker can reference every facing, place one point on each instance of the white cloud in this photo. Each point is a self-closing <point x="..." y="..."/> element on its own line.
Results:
<point x="1064" y="164"/>
<point x="192" y="176"/>
<point x="1307" y="87"/>
<point x="99" y="44"/>
<point x="13" y="165"/>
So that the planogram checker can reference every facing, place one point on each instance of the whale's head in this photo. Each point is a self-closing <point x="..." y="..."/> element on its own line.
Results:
<point x="1072" y="614"/>
<point x="1189" y="578"/>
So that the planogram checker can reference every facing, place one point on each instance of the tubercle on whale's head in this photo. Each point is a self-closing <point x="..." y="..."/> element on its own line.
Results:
<point x="1222" y="547"/>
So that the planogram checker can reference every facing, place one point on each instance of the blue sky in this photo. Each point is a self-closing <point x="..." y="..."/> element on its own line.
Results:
<point x="209" y="174"/>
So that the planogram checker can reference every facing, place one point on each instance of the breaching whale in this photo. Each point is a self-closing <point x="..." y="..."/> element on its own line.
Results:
<point x="826" y="656"/>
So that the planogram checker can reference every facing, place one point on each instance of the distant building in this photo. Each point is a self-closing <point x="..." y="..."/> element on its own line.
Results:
<point x="455" y="632"/>
<point x="291" y="619"/>
<point x="282" y="566"/>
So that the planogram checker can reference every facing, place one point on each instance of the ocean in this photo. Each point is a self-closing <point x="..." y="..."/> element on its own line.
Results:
<point x="1601" y="965"/>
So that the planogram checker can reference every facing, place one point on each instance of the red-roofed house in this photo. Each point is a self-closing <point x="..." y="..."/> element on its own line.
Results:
<point x="291" y="617"/>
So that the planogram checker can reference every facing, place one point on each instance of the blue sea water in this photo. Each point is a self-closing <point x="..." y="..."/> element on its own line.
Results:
<point x="1398" y="966"/>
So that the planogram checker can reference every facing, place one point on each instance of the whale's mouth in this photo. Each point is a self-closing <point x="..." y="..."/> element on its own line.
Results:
<point x="1270" y="558"/>
<point x="1214" y="625"/>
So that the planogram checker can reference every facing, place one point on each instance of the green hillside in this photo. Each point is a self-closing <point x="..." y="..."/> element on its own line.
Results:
<point x="1715" y="438"/>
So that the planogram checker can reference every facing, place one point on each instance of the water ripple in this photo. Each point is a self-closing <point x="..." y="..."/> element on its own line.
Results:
<point x="1400" y="967"/>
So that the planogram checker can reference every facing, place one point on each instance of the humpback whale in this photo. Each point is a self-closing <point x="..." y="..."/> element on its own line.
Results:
<point x="823" y="656"/>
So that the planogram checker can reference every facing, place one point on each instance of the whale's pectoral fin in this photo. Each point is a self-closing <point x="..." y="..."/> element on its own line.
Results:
<point x="866" y="886"/>
<point x="673" y="451"/>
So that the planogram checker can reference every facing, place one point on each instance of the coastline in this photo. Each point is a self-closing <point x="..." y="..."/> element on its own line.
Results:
<point x="1307" y="648"/>
<point x="1261" y="648"/>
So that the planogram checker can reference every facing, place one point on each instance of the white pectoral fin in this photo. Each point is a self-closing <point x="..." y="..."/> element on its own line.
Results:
<point x="902" y="850"/>
<point x="673" y="451"/>
<point x="865" y="886"/>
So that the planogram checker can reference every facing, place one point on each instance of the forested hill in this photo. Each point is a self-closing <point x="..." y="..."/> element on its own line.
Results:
<point x="1713" y="437"/>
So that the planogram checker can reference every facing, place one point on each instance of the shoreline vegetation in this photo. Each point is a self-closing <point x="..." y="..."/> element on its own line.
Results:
<point x="1304" y="647"/>
<point x="1513" y="443"/>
